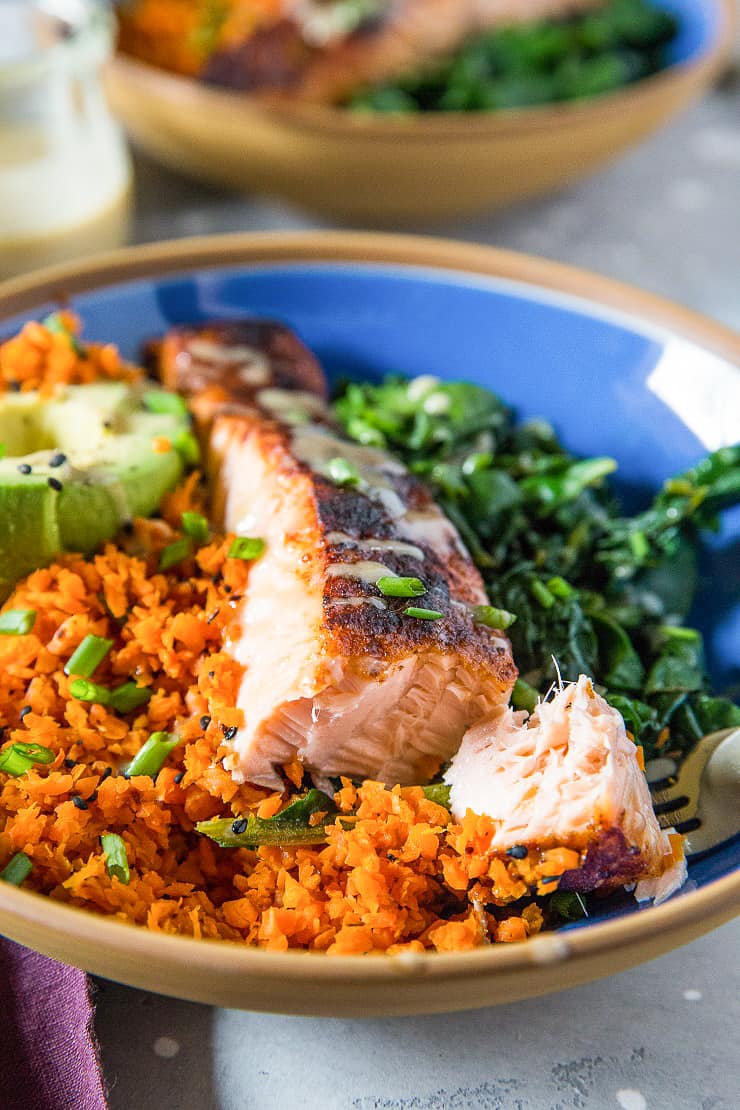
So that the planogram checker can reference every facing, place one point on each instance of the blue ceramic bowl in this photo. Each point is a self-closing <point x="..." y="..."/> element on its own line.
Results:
<point x="615" y="371"/>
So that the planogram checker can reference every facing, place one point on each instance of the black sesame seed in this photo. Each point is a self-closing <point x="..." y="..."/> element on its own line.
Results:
<point x="57" y="460"/>
<point x="25" y="711"/>
<point x="229" y="733"/>
<point x="70" y="762"/>
<point x="55" y="484"/>
<point x="79" y="802"/>
<point x="211" y="674"/>
<point x="239" y="826"/>
<point x="14" y="387"/>
<point x="128" y="527"/>
<point x="205" y="722"/>
<point x="179" y="777"/>
<point x="517" y="851"/>
<point x="24" y="468"/>
<point x="93" y="797"/>
<point x="228" y="589"/>
<point x="106" y="774"/>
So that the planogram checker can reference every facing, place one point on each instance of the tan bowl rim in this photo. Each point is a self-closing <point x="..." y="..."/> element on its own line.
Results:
<point x="699" y="909"/>
<point x="449" y="125"/>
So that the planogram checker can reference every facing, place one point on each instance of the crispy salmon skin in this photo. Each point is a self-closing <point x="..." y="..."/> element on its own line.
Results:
<point x="337" y="670"/>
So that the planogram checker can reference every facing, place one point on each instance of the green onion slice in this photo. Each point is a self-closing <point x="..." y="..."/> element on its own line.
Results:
<point x="187" y="447"/>
<point x="438" y="792"/>
<point x="129" y="696"/>
<point x="17" y="622"/>
<point x="19" y="758"/>
<point x="246" y="548"/>
<point x="88" y="656"/>
<point x="393" y="586"/>
<point x="541" y="594"/>
<point x="84" y="690"/>
<point x="174" y="553"/>
<point x="343" y="472"/>
<point x="17" y="869"/>
<point x="492" y="617"/>
<point x="160" y="401"/>
<point x="150" y="759"/>
<point x="422" y="614"/>
<point x="116" y="859"/>
<point x="524" y="696"/>
<point x="54" y="323"/>
<point x="195" y="525"/>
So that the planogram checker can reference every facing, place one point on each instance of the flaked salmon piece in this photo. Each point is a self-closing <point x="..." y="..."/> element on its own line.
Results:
<point x="568" y="776"/>
<point x="320" y="52"/>
<point x="336" y="672"/>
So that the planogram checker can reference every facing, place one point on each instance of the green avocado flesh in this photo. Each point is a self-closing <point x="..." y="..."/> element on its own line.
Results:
<point x="111" y="474"/>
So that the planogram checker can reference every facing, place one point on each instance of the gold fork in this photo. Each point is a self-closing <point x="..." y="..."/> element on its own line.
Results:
<point x="703" y="800"/>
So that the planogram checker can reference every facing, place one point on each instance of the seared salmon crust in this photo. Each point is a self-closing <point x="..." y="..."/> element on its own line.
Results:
<point x="337" y="672"/>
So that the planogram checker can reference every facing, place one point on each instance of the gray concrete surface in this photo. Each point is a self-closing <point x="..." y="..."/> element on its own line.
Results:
<point x="662" y="1037"/>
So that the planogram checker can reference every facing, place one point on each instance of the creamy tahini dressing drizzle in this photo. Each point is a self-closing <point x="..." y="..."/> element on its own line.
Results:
<point x="291" y="406"/>
<point x="254" y="366"/>
<point x="353" y="602"/>
<point x="398" y="547"/>
<point x="364" y="571"/>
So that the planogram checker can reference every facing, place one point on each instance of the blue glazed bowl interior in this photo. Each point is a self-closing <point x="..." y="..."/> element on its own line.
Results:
<point x="699" y="24"/>
<point x="609" y="384"/>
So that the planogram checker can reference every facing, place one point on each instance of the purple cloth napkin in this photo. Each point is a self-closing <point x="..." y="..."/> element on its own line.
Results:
<point x="48" y="1052"/>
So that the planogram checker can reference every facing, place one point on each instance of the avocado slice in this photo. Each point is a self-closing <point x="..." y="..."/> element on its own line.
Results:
<point x="110" y="471"/>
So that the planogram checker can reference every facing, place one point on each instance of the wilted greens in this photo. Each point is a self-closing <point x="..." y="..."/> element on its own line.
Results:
<point x="536" y="63"/>
<point x="605" y="594"/>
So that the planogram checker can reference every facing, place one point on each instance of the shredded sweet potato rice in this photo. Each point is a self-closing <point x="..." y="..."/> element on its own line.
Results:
<point x="395" y="872"/>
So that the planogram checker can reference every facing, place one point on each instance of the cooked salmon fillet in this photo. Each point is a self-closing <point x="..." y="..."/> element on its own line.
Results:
<point x="318" y="52"/>
<point x="336" y="673"/>
<point x="568" y="776"/>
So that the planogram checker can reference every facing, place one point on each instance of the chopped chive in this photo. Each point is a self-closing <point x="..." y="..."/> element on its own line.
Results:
<point x="244" y="547"/>
<point x="639" y="545"/>
<point x="17" y="622"/>
<point x="392" y="586"/>
<point x="116" y="859"/>
<point x="129" y="696"/>
<point x="195" y="525"/>
<point x="174" y="553"/>
<point x="541" y="593"/>
<point x="343" y="472"/>
<point x="37" y="753"/>
<point x="422" y="614"/>
<point x="492" y="617"/>
<point x="160" y="401"/>
<point x="54" y="323"/>
<point x="17" y="869"/>
<point x="675" y="632"/>
<point x="479" y="460"/>
<point x="187" y="447"/>
<point x="559" y="587"/>
<point x="524" y="696"/>
<point x="84" y="690"/>
<point x="150" y="759"/>
<point x="14" y="762"/>
<point x="88" y="656"/>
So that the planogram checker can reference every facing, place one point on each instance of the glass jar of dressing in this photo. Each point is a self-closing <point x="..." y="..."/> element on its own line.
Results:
<point x="64" y="169"/>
